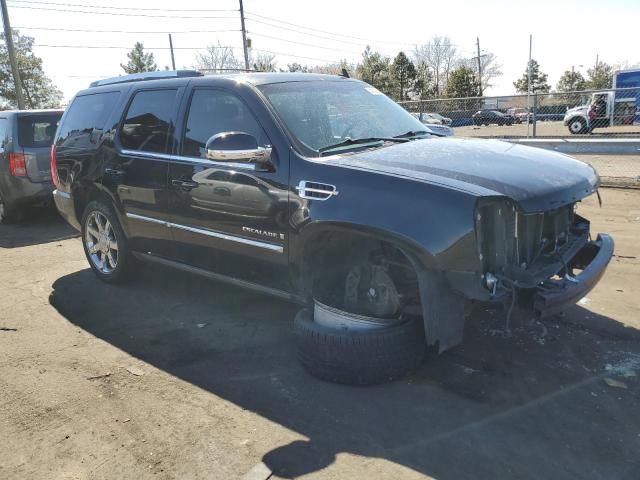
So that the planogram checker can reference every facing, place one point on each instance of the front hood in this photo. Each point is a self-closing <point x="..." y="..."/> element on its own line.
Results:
<point x="537" y="179"/>
<point x="578" y="109"/>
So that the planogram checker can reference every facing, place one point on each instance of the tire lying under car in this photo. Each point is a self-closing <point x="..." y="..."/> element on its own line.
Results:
<point x="359" y="356"/>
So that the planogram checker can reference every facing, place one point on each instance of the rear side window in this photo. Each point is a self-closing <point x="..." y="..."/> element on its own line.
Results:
<point x="85" y="120"/>
<point x="37" y="130"/>
<point x="146" y="124"/>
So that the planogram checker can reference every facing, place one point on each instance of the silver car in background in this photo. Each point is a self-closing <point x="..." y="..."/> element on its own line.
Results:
<point x="434" y="124"/>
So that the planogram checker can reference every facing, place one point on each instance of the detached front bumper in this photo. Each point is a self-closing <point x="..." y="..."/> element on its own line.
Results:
<point x="556" y="294"/>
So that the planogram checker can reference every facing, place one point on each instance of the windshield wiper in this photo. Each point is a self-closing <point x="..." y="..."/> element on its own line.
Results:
<point x="414" y="133"/>
<point x="361" y="141"/>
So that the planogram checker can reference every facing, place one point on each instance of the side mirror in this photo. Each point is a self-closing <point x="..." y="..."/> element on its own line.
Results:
<point x="236" y="147"/>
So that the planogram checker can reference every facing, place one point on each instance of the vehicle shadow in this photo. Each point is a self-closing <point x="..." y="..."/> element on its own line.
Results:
<point x="532" y="405"/>
<point x="40" y="225"/>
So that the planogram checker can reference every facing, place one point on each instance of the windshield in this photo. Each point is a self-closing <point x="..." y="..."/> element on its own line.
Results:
<point x="320" y="114"/>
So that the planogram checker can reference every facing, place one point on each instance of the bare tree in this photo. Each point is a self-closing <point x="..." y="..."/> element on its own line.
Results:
<point x="440" y="56"/>
<point x="335" y="68"/>
<point x="263" y="62"/>
<point x="217" y="58"/>
<point x="489" y="66"/>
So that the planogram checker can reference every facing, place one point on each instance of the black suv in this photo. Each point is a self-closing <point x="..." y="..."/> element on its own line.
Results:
<point x="489" y="117"/>
<point x="321" y="190"/>
<point x="25" y="175"/>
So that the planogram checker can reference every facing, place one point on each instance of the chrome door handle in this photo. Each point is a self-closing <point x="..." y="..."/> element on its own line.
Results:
<point x="184" y="184"/>
<point x="113" y="171"/>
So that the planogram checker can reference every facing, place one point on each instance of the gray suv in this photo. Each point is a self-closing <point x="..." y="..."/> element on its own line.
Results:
<point x="25" y="174"/>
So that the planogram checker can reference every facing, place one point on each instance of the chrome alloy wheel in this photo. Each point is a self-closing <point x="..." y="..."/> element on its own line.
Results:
<point x="101" y="243"/>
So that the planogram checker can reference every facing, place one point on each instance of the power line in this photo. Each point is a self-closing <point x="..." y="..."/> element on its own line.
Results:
<point x="142" y="9"/>
<point x="322" y="31"/>
<point x="199" y="17"/>
<point x="124" y="48"/>
<point x="280" y="27"/>
<point x="164" y="32"/>
<point x="295" y="56"/>
<point x="302" y="43"/>
<point x="338" y="40"/>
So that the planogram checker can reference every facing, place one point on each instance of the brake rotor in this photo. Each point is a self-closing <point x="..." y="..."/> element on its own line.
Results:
<point x="370" y="290"/>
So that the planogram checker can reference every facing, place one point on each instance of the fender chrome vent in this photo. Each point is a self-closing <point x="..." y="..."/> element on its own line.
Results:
<point x="315" y="190"/>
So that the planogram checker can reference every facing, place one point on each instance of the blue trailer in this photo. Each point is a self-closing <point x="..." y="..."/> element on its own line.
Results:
<point x="628" y="79"/>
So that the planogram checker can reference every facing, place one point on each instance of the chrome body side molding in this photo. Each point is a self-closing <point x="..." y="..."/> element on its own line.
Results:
<point x="210" y="233"/>
<point x="199" y="161"/>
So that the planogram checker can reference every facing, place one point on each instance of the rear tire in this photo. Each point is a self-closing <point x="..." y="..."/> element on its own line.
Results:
<point x="9" y="214"/>
<point x="359" y="357"/>
<point x="105" y="244"/>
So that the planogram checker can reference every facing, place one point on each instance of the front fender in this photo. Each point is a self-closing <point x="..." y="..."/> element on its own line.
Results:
<point x="434" y="222"/>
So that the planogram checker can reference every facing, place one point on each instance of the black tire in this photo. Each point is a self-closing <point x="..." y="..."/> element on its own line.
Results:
<point x="9" y="213"/>
<point x="359" y="357"/>
<point x="123" y="269"/>
<point x="577" y="126"/>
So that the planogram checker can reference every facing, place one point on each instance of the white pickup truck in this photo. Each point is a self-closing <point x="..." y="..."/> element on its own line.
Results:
<point x="608" y="108"/>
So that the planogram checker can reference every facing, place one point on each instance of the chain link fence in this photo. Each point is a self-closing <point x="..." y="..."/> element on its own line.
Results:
<point x="601" y="114"/>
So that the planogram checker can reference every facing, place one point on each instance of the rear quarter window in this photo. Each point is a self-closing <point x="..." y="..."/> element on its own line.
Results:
<point x="147" y="122"/>
<point x="85" y="120"/>
<point x="35" y="131"/>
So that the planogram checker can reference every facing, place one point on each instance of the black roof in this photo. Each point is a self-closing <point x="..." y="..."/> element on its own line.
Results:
<point x="33" y="112"/>
<point x="264" y="78"/>
<point x="193" y="75"/>
<point x="176" y="78"/>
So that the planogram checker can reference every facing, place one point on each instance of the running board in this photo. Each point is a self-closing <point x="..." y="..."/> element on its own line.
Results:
<point x="274" y="292"/>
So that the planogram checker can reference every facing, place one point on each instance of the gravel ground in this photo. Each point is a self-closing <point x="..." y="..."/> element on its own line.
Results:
<point x="177" y="377"/>
<point x="615" y="170"/>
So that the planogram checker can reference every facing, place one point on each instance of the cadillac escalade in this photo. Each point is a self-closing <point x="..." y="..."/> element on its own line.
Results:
<point x="321" y="190"/>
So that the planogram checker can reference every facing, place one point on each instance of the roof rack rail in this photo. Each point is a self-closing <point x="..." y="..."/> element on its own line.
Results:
<point x="138" y="77"/>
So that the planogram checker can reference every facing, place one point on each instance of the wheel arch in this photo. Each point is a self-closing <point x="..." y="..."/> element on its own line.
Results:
<point x="442" y="308"/>
<point x="89" y="191"/>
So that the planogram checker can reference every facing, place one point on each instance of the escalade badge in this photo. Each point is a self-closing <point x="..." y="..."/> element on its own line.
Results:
<point x="263" y="233"/>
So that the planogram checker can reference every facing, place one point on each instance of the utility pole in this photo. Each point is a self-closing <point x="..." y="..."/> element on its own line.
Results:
<point x="244" y="38"/>
<point x="479" y="66"/>
<point x="173" y="60"/>
<point x="8" y="36"/>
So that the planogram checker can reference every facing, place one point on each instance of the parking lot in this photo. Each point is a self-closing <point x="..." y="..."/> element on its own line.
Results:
<point x="173" y="376"/>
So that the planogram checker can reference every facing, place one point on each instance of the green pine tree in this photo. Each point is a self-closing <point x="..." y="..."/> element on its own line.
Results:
<point x="39" y="91"/>
<point x="538" y="80"/>
<point x="139" y="61"/>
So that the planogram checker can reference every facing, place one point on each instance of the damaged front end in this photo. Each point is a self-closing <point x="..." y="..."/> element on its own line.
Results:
<point x="548" y="259"/>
